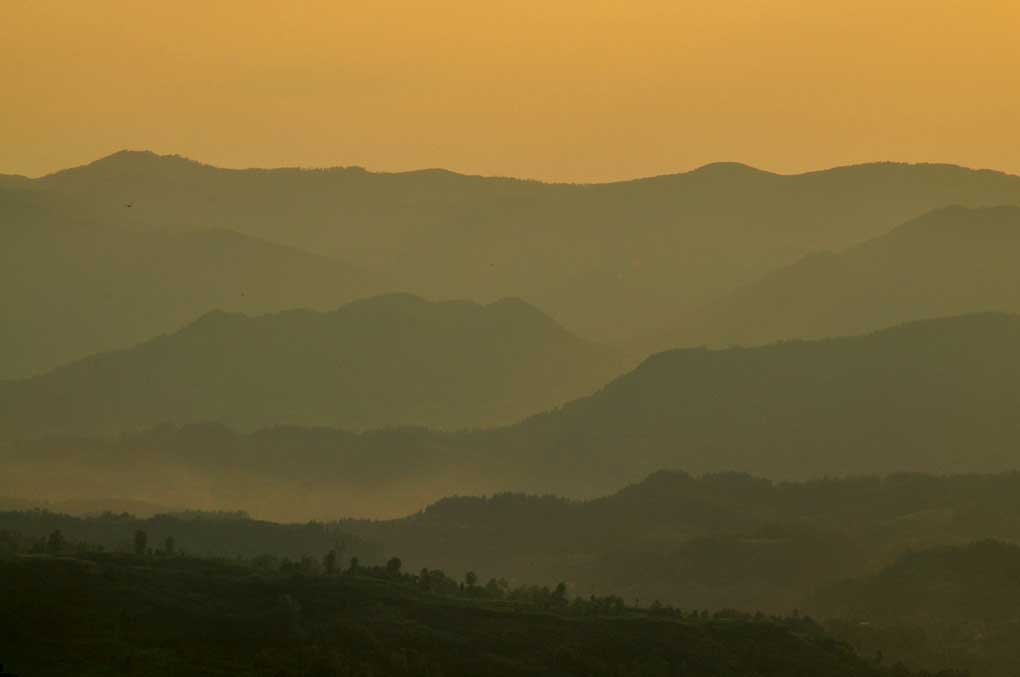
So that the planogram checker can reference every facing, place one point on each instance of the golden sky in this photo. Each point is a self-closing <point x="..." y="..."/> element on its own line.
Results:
<point x="583" y="90"/>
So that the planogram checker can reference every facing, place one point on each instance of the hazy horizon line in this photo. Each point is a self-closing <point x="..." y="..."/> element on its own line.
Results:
<point x="734" y="164"/>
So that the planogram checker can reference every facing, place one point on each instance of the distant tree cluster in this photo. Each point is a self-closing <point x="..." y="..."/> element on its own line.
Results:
<point x="217" y="534"/>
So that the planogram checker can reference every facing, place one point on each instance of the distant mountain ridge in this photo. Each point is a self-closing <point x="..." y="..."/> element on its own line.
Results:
<point x="937" y="395"/>
<point x="950" y="261"/>
<point x="385" y="361"/>
<point x="607" y="260"/>
<point x="71" y="285"/>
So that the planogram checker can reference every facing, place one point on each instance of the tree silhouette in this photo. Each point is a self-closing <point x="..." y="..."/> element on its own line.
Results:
<point x="393" y="566"/>
<point x="559" y="595"/>
<point x="141" y="542"/>
<point x="55" y="543"/>
<point x="329" y="563"/>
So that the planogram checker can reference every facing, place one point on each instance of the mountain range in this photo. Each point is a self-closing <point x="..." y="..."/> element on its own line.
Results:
<point x="935" y="396"/>
<point x="947" y="262"/>
<point x="610" y="261"/>
<point x="71" y="285"/>
<point x="390" y="360"/>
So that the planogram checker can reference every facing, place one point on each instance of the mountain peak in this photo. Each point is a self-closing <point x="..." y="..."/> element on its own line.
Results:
<point x="728" y="170"/>
<point x="127" y="162"/>
<point x="128" y="155"/>
<point x="520" y="310"/>
<point x="142" y="158"/>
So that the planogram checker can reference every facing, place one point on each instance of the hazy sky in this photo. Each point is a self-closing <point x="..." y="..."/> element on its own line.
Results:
<point x="551" y="89"/>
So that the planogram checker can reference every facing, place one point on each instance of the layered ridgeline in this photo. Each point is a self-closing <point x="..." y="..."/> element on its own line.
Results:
<point x="608" y="260"/>
<point x="951" y="606"/>
<point x="72" y="284"/>
<point x="717" y="541"/>
<point x="385" y="361"/>
<point x="937" y="395"/>
<point x="950" y="261"/>
<point x="726" y="540"/>
<point x="977" y="583"/>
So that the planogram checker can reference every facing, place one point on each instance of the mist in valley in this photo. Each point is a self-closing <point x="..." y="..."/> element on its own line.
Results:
<point x="303" y="373"/>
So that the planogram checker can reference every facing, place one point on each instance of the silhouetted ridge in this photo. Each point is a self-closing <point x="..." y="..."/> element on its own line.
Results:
<point x="976" y="583"/>
<point x="129" y="163"/>
<point x="950" y="261"/>
<point x="962" y="222"/>
<point x="521" y="312"/>
<point x="216" y="319"/>
<point x="978" y="326"/>
<point x="385" y="361"/>
<point x="608" y="261"/>
<point x="726" y="170"/>
<point x="934" y="395"/>
<point x="89" y="287"/>
<point x="928" y="395"/>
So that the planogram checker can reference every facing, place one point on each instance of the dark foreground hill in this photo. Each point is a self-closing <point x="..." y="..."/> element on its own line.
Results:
<point x="385" y="361"/>
<point x="103" y="615"/>
<point x="719" y="541"/>
<point x="71" y="286"/>
<point x="948" y="262"/>
<point x="608" y="260"/>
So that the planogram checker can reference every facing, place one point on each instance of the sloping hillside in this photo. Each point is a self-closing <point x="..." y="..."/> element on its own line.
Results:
<point x="608" y="260"/>
<point x="948" y="262"/>
<point x="385" y="361"/>
<point x="71" y="286"/>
